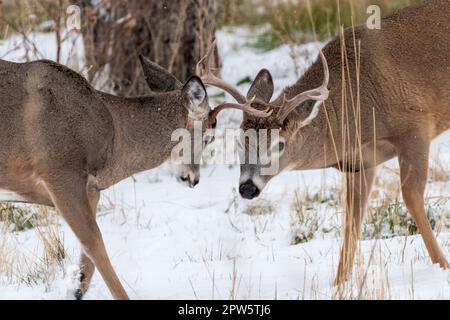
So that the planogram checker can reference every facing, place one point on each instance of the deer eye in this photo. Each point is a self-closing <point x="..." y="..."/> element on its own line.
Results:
<point x="278" y="147"/>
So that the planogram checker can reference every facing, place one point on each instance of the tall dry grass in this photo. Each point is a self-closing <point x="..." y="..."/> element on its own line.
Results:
<point x="299" y="21"/>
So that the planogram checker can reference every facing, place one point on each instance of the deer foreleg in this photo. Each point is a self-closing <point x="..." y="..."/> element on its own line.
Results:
<point x="69" y="195"/>
<point x="87" y="267"/>
<point x="413" y="159"/>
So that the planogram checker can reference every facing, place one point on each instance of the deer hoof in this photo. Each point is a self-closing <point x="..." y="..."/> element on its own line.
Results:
<point x="78" y="294"/>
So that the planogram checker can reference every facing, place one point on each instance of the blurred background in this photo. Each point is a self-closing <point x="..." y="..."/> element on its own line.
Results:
<point x="174" y="34"/>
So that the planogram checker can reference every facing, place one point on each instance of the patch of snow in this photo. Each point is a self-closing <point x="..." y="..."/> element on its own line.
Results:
<point x="170" y="242"/>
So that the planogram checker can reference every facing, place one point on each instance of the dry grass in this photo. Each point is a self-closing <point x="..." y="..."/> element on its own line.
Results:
<point x="388" y="217"/>
<point x="17" y="218"/>
<point x="439" y="169"/>
<point x="20" y="265"/>
<point x="295" y="21"/>
<point x="259" y="208"/>
<point x="305" y="220"/>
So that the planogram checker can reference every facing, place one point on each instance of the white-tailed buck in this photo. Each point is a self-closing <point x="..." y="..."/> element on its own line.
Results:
<point x="374" y="95"/>
<point x="62" y="142"/>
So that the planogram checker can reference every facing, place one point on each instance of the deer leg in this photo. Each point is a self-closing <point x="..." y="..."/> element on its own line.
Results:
<point x="87" y="266"/>
<point x="71" y="199"/>
<point x="413" y="173"/>
<point x="358" y="187"/>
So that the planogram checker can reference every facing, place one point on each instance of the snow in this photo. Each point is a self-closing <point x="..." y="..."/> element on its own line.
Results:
<point x="170" y="242"/>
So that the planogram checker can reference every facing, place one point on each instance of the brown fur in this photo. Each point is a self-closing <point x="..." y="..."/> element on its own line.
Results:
<point x="404" y="82"/>
<point x="62" y="142"/>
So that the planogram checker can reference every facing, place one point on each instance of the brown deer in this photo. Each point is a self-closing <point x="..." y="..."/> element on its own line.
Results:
<point x="389" y="96"/>
<point x="62" y="142"/>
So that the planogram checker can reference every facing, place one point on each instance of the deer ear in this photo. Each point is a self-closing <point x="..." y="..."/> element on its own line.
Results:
<point x="262" y="87"/>
<point x="195" y="93"/>
<point x="158" y="78"/>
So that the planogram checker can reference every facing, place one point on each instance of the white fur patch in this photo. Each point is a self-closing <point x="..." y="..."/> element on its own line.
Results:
<point x="196" y="94"/>
<point x="256" y="180"/>
<point x="244" y="177"/>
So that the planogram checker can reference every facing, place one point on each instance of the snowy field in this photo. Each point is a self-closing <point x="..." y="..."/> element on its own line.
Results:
<point x="170" y="242"/>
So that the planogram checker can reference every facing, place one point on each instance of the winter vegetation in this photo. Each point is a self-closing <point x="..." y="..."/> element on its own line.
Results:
<point x="170" y="242"/>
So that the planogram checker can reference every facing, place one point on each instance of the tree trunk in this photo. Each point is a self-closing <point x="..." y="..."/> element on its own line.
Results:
<point x="174" y="34"/>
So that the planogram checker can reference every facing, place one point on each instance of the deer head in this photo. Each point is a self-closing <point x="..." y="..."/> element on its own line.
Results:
<point x="194" y="99"/>
<point x="270" y="118"/>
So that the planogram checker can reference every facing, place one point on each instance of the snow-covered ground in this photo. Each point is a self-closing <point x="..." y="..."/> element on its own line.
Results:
<point x="170" y="242"/>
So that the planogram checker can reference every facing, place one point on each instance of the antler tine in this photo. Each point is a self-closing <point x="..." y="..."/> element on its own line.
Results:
<point x="203" y="70"/>
<point x="246" y="107"/>
<point x="319" y="94"/>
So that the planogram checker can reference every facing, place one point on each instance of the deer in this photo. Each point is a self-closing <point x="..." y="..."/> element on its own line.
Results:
<point x="62" y="142"/>
<point x="399" y="77"/>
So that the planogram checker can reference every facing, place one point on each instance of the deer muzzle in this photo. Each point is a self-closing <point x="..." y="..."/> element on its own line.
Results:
<point x="248" y="190"/>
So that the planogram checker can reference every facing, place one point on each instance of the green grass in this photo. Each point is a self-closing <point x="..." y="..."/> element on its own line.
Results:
<point x="288" y="21"/>
<point x="299" y="21"/>
<point x="305" y="220"/>
<point x="19" y="218"/>
<point x="391" y="220"/>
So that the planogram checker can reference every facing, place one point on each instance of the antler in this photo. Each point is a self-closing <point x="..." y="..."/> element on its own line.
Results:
<point x="204" y="71"/>
<point x="319" y="94"/>
<point x="246" y="107"/>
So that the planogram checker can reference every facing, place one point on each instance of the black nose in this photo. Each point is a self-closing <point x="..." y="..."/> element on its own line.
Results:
<point x="195" y="182"/>
<point x="248" y="190"/>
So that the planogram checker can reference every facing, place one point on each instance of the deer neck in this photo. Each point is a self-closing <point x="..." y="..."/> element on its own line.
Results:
<point x="143" y="127"/>
<point x="314" y="146"/>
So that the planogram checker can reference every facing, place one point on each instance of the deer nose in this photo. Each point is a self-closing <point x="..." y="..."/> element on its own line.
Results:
<point x="248" y="190"/>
